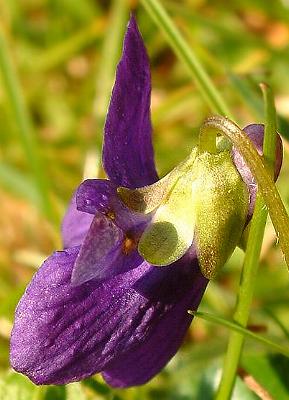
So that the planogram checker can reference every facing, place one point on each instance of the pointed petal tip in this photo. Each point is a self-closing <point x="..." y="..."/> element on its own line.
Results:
<point x="134" y="50"/>
<point x="132" y="27"/>
<point x="128" y="156"/>
<point x="132" y="22"/>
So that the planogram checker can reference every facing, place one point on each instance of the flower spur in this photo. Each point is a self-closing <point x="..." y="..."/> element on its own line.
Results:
<point x="98" y="305"/>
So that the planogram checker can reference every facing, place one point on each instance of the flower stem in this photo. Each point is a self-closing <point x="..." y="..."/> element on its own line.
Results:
<point x="250" y="266"/>
<point x="187" y="56"/>
<point x="259" y="170"/>
<point x="244" y="300"/>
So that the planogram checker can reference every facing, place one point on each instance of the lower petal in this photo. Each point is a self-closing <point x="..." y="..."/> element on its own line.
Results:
<point x="145" y="358"/>
<point x="64" y="333"/>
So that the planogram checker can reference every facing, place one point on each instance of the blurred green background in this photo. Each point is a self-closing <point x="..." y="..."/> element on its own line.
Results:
<point x="58" y="59"/>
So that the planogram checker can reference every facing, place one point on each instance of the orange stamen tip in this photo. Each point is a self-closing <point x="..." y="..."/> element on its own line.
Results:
<point x="128" y="245"/>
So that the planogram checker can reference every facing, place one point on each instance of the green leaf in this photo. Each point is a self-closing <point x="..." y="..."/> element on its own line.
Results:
<point x="54" y="393"/>
<point x="186" y="54"/>
<point x="18" y="183"/>
<point x="26" y="134"/>
<point x="109" y="57"/>
<point x="254" y="102"/>
<point x="74" y="391"/>
<point x="208" y="384"/>
<point x="240" y="329"/>
<point x="17" y="387"/>
<point x="96" y="386"/>
<point x="271" y="371"/>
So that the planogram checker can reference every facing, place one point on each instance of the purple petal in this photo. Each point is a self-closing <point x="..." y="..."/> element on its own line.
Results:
<point x="97" y="195"/>
<point x="64" y="333"/>
<point x="153" y="350"/>
<point x="101" y="247"/>
<point x="128" y="157"/>
<point x="75" y="225"/>
<point x="256" y="133"/>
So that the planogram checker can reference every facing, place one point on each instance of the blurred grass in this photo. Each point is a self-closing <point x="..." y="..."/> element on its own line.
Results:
<point x="64" y="57"/>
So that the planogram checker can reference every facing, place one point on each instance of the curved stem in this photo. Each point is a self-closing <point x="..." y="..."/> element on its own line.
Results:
<point x="266" y="185"/>
<point x="250" y="266"/>
<point x="244" y="300"/>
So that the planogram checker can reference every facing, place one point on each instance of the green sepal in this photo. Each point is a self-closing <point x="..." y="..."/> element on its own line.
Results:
<point x="171" y="232"/>
<point x="204" y="200"/>
<point x="145" y="199"/>
<point x="220" y="204"/>
<point x="148" y="198"/>
<point x="172" y="229"/>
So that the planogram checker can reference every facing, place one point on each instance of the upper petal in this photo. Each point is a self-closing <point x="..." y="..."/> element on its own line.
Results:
<point x="113" y="233"/>
<point x="63" y="334"/>
<point x="75" y="225"/>
<point x="128" y="157"/>
<point x="100" y="195"/>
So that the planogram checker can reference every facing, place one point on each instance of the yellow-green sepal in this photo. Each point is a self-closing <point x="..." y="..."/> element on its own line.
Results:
<point x="171" y="232"/>
<point x="220" y="205"/>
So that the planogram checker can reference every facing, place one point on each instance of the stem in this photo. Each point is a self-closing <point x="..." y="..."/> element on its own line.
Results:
<point x="270" y="128"/>
<point x="40" y="393"/>
<point x="24" y="126"/>
<point x="244" y="300"/>
<point x="207" y="143"/>
<point x="251" y="264"/>
<point x="187" y="56"/>
<point x="260" y="172"/>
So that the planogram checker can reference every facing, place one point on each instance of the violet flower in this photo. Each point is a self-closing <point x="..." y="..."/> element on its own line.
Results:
<point x="98" y="306"/>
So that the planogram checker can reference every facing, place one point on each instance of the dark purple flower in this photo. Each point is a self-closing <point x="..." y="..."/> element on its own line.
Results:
<point x="97" y="305"/>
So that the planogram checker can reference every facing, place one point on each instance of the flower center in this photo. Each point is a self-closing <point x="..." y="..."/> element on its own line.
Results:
<point x="111" y="215"/>
<point x="201" y="202"/>
<point x="129" y="244"/>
